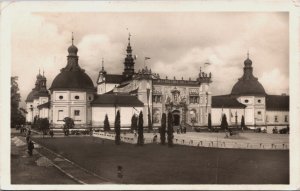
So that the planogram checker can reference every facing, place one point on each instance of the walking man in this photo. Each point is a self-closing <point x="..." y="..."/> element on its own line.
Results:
<point x="30" y="147"/>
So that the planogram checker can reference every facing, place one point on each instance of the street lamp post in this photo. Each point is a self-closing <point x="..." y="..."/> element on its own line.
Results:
<point x="31" y="109"/>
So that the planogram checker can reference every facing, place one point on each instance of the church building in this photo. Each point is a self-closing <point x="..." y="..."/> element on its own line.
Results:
<point x="73" y="94"/>
<point x="249" y="99"/>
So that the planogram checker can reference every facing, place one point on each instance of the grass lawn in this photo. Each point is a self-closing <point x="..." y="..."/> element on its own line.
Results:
<point x="157" y="164"/>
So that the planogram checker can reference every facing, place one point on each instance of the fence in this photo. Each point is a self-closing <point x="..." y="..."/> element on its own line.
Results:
<point x="202" y="143"/>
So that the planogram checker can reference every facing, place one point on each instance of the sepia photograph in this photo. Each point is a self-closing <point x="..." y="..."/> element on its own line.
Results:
<point x="155" y="94"/>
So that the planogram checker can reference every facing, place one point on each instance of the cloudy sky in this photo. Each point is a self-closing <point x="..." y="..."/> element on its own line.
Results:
<point x="179" y="43"/>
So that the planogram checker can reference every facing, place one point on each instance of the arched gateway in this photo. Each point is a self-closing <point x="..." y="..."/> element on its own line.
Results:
<point x="176" y="117"/>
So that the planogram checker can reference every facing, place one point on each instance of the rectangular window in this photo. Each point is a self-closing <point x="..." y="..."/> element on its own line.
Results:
<point x="76" y="112"/>
<point x="194" y="99"/>
<point x="156" y="98"/>
<point x="275" y="118"/>
<point x="259" y="112"/>
<point x="60" y="115"/>
<point x="286" y="118"/>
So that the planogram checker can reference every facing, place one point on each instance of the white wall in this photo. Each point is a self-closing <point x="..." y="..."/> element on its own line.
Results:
<point x="270" y="117"/>
<point x="105" y="87"/>
<point x="98" y="115"/>
<point x="216" y="115"/>
<point x="65" y="103"/>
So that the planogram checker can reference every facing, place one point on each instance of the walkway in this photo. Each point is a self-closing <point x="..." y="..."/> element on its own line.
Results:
<point x="73" y="171"/>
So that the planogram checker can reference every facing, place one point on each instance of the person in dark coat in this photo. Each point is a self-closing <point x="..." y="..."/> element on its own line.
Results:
<point x="30" y="147"/>
<point x="51" y="133"/>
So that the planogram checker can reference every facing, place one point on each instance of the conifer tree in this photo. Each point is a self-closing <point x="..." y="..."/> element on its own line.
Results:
<point x="140" y="129"/>
<point x="118" y="129"/>
<point x="163" y="129"/>
<point x="133" y="123"/>
<point x="209" y="121"/>
<point x="224" y="124"/>
<point x="243" y="122"/>
<point x="106" y="124"/>
<point x="170" y="129"/>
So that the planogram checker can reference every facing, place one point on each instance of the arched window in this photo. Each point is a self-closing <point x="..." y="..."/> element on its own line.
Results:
<point x="193" y="116"/>
<point x="156" y="116"/>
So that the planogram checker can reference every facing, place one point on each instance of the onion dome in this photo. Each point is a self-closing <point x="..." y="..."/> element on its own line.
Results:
<point x="31" y="96"/>
<point x="248" y="84"/>
<point x="40" y="89"/>
<point x="73" y="50"/>
<point x="72" y="77"/>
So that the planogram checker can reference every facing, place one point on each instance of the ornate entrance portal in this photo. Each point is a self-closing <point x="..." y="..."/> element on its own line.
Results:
<point x="176" y="117"/>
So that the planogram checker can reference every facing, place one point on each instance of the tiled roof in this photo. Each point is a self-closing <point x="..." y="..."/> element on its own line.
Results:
<point x="277" y="102"/>
<point x="44" y="105"/>
<point x="226" y="101"/>
<point x="112" y="100"/>
<point x="114" y="78"/>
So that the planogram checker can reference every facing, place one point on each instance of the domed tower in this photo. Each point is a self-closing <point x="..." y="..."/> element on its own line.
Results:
<point x="37" y="97"/>
<point x="72" y="90"/>
<point x="250" y="92"/>
<point x="129" y="62"/>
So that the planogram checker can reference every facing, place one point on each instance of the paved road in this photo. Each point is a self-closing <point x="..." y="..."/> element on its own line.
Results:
<point x="52" y="165"/>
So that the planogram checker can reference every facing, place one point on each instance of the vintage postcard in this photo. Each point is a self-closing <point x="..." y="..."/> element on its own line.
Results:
<point x="134" y="95"/>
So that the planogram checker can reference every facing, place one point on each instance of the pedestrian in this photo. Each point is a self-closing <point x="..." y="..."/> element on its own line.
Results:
<point x="51" y="133"/>
<point x="30" y="147"/>
<point x="120" y="172"/>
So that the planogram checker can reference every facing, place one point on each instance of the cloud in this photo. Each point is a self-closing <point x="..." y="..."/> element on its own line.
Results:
<point x="275" y="81"/>
<point x="94" y="47"/>
<point x="178" y="44"/>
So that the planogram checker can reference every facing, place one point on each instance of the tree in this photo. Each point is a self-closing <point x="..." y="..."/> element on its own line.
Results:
<point x="118" y="129"/>
<point x="163" y="129"/>
<point x="16" y="118"/>
<point x="106" y="124"/>
<point x="224" y="124"/>
<point x="170" y="129"/>
<point x="69" y="124"/>
<point x="133" y="123"/>
<point x="209" y="121"/>
<point x="44" y="125"/>
<point x="243" y="122"/>
<point x="140" y="129"/>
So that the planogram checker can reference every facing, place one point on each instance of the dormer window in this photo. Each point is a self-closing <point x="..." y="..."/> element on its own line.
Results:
<point x="259" y="101"/>
<point x="246" y="101"/>
<point x="76" y="97"/>
<point x="61" y="97"/>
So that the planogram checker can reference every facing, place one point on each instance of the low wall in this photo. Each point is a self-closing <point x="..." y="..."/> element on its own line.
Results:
<point x="201" y="143"/>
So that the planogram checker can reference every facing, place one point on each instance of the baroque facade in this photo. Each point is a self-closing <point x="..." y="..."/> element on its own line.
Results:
<point x="73" y="94"/>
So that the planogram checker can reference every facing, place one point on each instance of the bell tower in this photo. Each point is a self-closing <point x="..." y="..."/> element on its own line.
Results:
<point x="129" y="61"/>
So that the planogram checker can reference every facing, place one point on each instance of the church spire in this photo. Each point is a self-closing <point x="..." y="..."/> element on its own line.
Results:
<point x="72" y="38"/>
<point x="129" y="61"/>
<point x="248" y="69"/>
<point x="72" y="64"/>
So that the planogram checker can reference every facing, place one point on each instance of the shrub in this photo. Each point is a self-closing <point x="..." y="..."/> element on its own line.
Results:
<point x="162" y="130"/>
<point x="106" y="124"/>
<point x="140" y="129"/>
<point x="209" y="121"/>
<point x="44" y="125"/>
<point x="170" y="129"/>
<point x="134" y="121"/>
<point x="118" y="129"/>
<point x="224" y="124"/>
